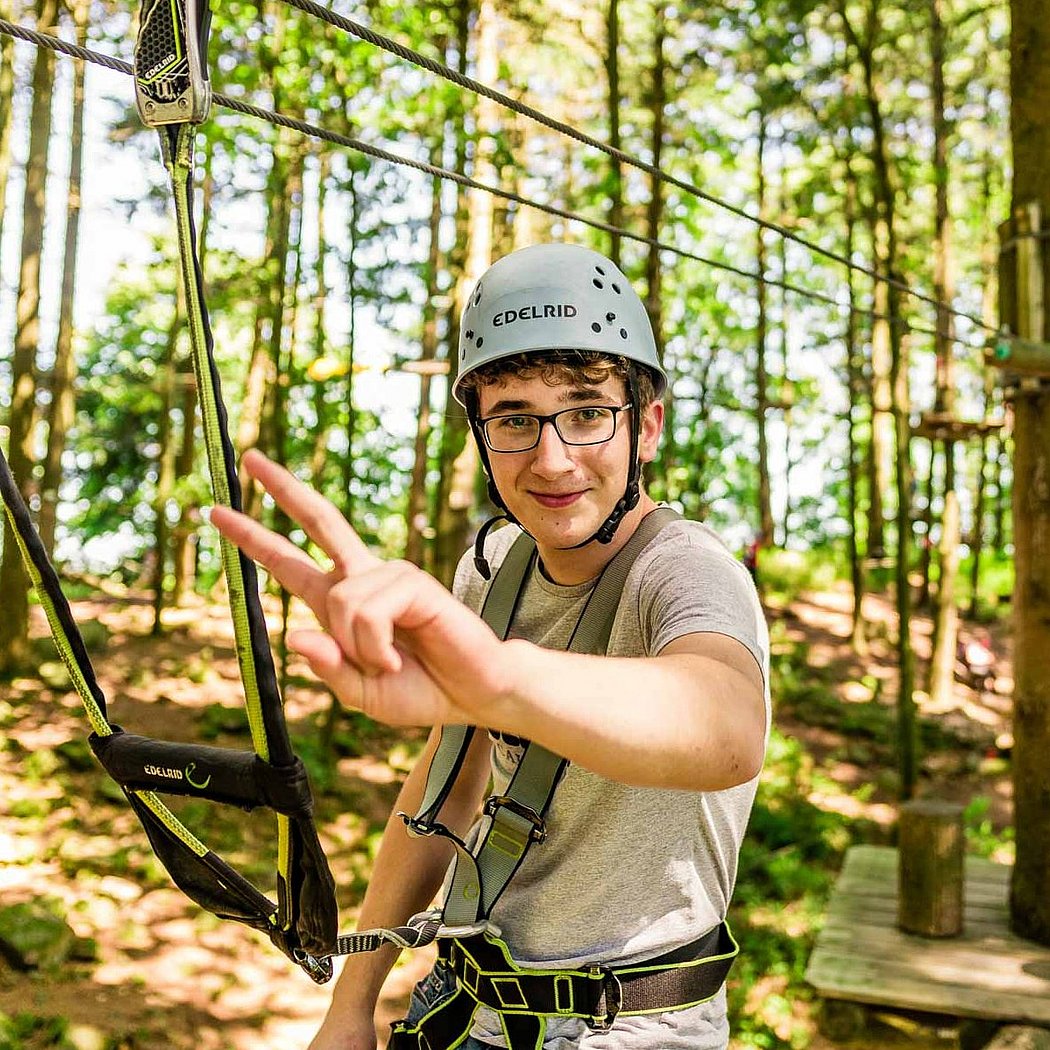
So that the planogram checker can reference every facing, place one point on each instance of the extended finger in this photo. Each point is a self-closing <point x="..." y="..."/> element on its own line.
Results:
<point x="362" y="611"/>
<point x="292" y="568"/>
<point x="319" y="518"/>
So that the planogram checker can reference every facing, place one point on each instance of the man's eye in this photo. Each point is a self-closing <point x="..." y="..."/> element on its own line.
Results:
<point x="589" y="416"/>
<point x="514" y="423"/>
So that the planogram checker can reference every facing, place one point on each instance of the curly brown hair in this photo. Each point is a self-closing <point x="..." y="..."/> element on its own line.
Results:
<point x="561" y="368"/>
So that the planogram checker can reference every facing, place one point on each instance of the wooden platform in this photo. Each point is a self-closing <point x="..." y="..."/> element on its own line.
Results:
<point x="988" y="972"/>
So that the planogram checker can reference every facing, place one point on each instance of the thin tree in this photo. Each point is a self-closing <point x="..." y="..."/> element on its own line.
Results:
<point x="887" y="331"/>
<point x="62" y="407"/>
<point x="7" y="94"/>
<point x="14" y="624"/>
<point x="459" y="456"/>
<point x="612" y="80"/>
<point x="765" y="508"/>
<point x="942" y="664"/>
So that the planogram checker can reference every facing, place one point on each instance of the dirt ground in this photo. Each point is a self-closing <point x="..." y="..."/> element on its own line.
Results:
<point x="164" y="974"/>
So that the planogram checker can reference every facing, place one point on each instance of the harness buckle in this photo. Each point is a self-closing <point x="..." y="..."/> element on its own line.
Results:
<point x="460" y="932"/>
<point x="609" y="1001"/>
<point x="497" y="802"/>
<point x="419" y="828"/>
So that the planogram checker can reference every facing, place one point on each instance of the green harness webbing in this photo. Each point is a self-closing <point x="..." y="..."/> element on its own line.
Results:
<point x="171" y="92"/>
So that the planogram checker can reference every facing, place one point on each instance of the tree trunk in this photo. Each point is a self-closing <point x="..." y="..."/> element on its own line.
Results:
<point x="854" y="384"/>
<point x="14" y="624"/>
<point x="262" y="371"/>
<point x="1030" y="131"/>
<point x="7" y="94"/>
<point x="458" y="453"/>
<point x="664" y="465"/>
<point x="887" y="293"/>
<point x="989" y="299"/>
<point x="942" y="664"/>
<point x="417" y="520"/>
<point x="612" y="78"/>
<point x="765" y="508"/>
<point x="63" y="399"/>
<point x="165" y="468"/>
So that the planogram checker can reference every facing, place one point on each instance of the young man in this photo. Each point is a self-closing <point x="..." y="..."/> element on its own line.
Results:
<point x="664" y="735"/>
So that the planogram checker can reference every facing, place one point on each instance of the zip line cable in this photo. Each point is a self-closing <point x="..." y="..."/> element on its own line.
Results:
<point x="311" y="130"/>
<point x="407" y="54"/>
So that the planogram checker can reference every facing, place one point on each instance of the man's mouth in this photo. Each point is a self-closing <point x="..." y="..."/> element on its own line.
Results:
<point x="556" y="500"/>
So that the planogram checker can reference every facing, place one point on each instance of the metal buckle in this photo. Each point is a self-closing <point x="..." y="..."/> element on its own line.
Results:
<point x="171" y="62"/>
<point x="496" y="802"/>
<point x="609" y="1002"/>
<point x="424" y="828"/>
<point x="319" y="969"/>
<point x="471" y="929"/>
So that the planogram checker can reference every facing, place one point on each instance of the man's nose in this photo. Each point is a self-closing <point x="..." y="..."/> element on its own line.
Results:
<point x="551" y="455"/>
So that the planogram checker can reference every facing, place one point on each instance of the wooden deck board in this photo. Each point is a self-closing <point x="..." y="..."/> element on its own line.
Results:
<point x="986" y="972"/>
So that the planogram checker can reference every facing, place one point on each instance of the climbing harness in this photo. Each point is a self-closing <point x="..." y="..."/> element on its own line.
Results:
<point x="470" y="947"/>
<point x="173" y="94"/>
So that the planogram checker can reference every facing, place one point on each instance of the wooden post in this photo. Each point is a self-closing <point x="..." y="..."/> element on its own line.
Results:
<point x="930" y="868"/>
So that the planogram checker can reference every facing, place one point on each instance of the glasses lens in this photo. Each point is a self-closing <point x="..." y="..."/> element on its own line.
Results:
<point x="512" y="433"/>
<point x="586" y="426"/>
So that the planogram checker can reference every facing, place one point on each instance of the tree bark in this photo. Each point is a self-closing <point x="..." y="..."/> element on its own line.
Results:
<point x="7" y="94"/>
<point x="664" y="465"/>
<point x="417" y="520"/>
<point x="886" y="293"/>
<point x="765" y="508"/>
<point x="858" y="638"/>
<point x="942" y="663"/>
<point x="459" y="454"/>
<point x="14" y="624"/>
<point x="612" y="79"/>
<point x="165" y="468"/>
<point x="1030" y="133"/>
<point x="62" y="408"/>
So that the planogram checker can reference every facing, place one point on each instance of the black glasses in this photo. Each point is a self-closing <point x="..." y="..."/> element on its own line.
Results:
<point x="520" y="431"/>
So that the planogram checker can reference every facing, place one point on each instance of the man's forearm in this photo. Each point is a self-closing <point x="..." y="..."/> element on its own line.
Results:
<point x="679" y="720"/>
<point x="406" y="877"/>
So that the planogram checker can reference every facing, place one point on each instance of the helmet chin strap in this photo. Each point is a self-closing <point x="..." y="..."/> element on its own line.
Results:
<point x="605" y="532"/>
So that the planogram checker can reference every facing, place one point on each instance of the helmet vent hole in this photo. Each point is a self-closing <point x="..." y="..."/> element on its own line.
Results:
<point x="616" y="288"/>
<point x="623" y="333"/>
<point x="598" y="284"/>
<point x="610" y="317"/>
<point x="600" y="270"/>
<point x="481" y="340"/>
<point x="470" y="334"/>
<point x="595" y="327"/>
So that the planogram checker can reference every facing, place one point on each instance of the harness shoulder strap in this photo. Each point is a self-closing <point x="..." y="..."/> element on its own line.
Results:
<point x="517" y="817"/>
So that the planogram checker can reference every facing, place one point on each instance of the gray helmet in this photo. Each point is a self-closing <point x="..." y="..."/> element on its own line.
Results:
<point x="555" y="297"/>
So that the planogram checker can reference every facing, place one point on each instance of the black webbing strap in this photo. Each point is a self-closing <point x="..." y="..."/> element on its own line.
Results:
<point x="525" y="998"/>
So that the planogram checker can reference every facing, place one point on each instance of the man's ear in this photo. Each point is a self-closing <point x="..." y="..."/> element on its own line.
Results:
<point x="649" y="431"/>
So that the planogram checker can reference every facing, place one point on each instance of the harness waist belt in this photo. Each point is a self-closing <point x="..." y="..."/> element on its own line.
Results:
<point x="597" y="993"/>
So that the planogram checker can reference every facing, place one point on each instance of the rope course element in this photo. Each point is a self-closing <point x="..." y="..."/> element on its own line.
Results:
<point x="407" y="54"/>
<point x="308" y="129"/>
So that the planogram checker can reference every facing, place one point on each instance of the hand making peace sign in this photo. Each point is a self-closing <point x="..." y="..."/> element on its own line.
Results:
<point x="393" y="642"/>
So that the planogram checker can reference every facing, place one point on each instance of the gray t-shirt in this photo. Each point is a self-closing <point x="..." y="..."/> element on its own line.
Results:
<point x="627" y="873"/>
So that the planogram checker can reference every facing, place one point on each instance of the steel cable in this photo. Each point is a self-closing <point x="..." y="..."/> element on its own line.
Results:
<point x="305" y="128"/>
<point x="407" y="54"/>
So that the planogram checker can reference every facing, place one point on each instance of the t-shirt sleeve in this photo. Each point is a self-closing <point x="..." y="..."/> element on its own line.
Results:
<point x="691" y="584"/>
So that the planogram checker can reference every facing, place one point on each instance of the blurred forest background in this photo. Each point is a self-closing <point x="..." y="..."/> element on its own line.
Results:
<point x="817" y="202"/>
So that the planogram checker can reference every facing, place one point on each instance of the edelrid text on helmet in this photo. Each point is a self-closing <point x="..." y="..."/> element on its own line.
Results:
<point x="554" y="297"/>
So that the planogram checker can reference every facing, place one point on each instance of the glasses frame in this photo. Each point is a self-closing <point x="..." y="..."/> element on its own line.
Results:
<point x="552" y="418"/>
